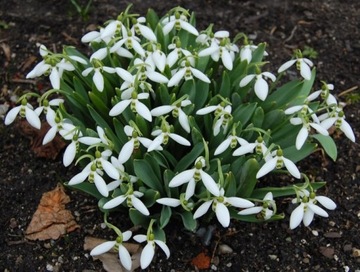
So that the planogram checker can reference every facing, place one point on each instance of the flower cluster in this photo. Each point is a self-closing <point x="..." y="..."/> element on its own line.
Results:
<point x="166" y="121"/>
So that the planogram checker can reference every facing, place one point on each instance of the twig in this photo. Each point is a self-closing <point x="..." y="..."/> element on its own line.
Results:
<point x="291" y="34"/>
<point x="25" y="81"/>
<point x="348" y="91"/>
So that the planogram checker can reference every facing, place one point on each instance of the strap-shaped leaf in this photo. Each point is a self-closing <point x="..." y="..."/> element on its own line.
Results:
<point x="165" y="216"/>
<point x="248" y="179"/>
<point x="190" y="158"/>
<point x="328" y="144"/>
<point x="144" y="171"/>
<point x="188" y="220"/>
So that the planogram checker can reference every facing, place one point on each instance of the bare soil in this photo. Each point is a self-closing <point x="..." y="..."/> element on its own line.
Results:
<point x="331" y="27"/>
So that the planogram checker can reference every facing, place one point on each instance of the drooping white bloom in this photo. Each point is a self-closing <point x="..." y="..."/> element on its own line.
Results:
<point x="246" y="147"/>
<point x="72" y="148"/>
<point x="222" y="116"/>
<point x="178" y="21"/>
<point x="261" y="87"/>
<point x="177" y="112"/>
<point x="303" y="64"/>
<point x="219" y="206"/>
<point x="267" y="210"/>
<point x="177" y="53"/>
<point x="46" y="108"/>
<point x="187" y="72"/>
<point x="162" y="137"/>
<point x="134" y="143"/>
<point x="129" y="40"/>
<point x="232" y="141"/>
<point x="135" y="105"/>
<point x="132" y="200"/>
<point x="194" y="175"/>
<point x="64" y="126"/>
<point x="143" y="30"/>
<point x="308" y="208"/>
<point x="117" y="244"/>
<point x="146" y="69"/>
<point x="148" y="251"/>
<point x="246" y="52"/>
<point x="324" y="92"/>
<point x="278" y="161"/>
<point x="102" y="138"/>
<point x="25" y="110"/>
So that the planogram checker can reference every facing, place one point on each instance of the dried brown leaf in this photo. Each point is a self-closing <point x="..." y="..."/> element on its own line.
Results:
<point x="51" y="220"/>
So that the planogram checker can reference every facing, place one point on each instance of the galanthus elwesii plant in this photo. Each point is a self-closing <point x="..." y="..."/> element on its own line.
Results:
<point x="166" y="122"/>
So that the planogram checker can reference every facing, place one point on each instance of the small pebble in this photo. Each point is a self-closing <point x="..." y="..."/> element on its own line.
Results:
<point x="328" y="252"/>
<point x="315" y="232"/>
<point x="225" y="249"/>
<point x="347" y="247"/>
<point x="273" y="257"/>
<point x="356" y="252"/>
<point x="332" y="223"/>
<point x="306" y="260"/>
<point x="49" y="267"/>
<point x="332" y="234"/>
<point x="213" y="267"/>
<point x="229" y="265"/>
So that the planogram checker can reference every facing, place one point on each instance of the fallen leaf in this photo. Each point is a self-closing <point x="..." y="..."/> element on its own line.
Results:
<point x="7" y="51"/>
<point x="110" y="259"/>
<point x="51" y="219"/>
<point x="50" y="150"/>
<point x="201" y="261"/>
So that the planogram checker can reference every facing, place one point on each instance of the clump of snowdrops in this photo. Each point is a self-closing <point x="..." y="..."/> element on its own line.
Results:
<point x="167" y="122"/>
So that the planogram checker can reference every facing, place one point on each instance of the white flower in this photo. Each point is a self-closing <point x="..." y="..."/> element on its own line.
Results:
<point x="143" y="30"/>
<point x="191" y="176"/>
<point x="168" y="201"/>
<point x="148" y="251"/>
<point x="267" y="210"/>
<point x="135" y="104"/>
<point x="132" y="144"/>
<point x="102" y="138"/>
<point x="261" y="87"/>
<point x="303" y="64"/>
<point x="130" y="41"/>
<point x="96" y="36"/>
<point x="231" y="141"/>
<point x="278" y="161"/>
<point x="308" y="208"/>
<point x="187" y="72"/>
<point x="147" y="69"/>
<point x="124" y="254"/>
<point x="132" y="200"/>
<point x="63" y="126"/>
<point x="219" y="206"/>
<point x="337" y="118"/>
<point x="178" y="21"/>
<point x="247" y="51"/>
<point x="177" y="112"/>
<point x="162" y="137"/>
<point x="176" y="53"/>
<point x="46" y="107"/>
<point x="246" y="147"/>
<point x="72" y="148"/>
<point x="222" y="116"/>
<point x="24" y="110"/>
<point x="324" y="92"/>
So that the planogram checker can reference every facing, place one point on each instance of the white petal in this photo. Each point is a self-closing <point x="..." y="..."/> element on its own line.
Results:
<point x="308" y="217"/>
<point x="99" y="54"/>
<point x="301" y="137"/>
<point x="102" y="248"/>
<point x="293" y="109"/>
<point x="11" y="115"/>
<point x="269" y="75"/>
<point x="101" y="185"/>
<point x="50" y="135"/>
<point x="113" y="185"/>
<point x="147" y="255"/>
<point x="305" y="70"/>
<point x="78" y="178"/>
<point x="137" y="47"/>
<point x="164" y="247"/>
<point x="87" y="71"/>
<point x="110" y="169"/>
<point x="200" y="75"/>
<point x="208" y="51"/>
<point x="32" y="118"/>
<point x="327" y="123"/>
<point x="189" y="28"/>
<point x="172" y="58"/>
<point x="167" y="201"/>
<point x="346" y="128"/>
<point x="179" y="139"/>
<point x="119" y="107"/>
<point x="168" y="27"/>
<point x="244" y="149"/>
<point x="226" y="59"/>
<point x="239" y="202"/>
<point x="190" y="189"/>
<point x="202" y="209"/>
<point x="89" y="140"/>
<point x="175" y="79"/>
<point x="206" y="110"/>
<point x="55" y="78"/>
<point x="297" y="216"/>
<point x="326" y="202"/>
<point x="223" y="146"/>
<point x="252" y="210"/>
<point x="209" y="183"/>
<point x="147" y="33"/>
<point x="316" y="209"/>
<point x="182" y="178"/>
<point x="125" y="75"/>
<point x="125" y="257"/>
<point x="127" y="235"/>
<point x="137" y="203"/>
<point x="143" y="111"/>
<point x="159" y="59"/>
<point x="246" y="80"/>
<point x="184" y="122"/>
<point x="126" y="151"/>
<point x="266" y="168"/>
<point x="140" y="238"/>
<point x="145" y="141"/>
<point x="98" y="80"/>
<point x="157" y="77"/>
<point x="261" y="88"/>
<point x="91" y="36"/>
<point x="319" y="129"/>
<point x="291" y="167"/>
<point x="114" y="202"/>
<point x="69" y="154"/>
<point x="285" y="66"/>
<point x="156" y="143"/>
<point x="222" y="214"/>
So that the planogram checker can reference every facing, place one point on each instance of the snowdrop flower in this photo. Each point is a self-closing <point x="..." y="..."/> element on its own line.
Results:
<point x="302" y="64"/>
<point x="143" y="30"/>
<point x="337" y="118"/>
<point x="102" y="138"/>
<point x="132" y="144"/>
<point x="58" y="124"/>
<point x="162" y="137"/>
<point x="221" y="48"/>
<point x="123" y="176"/>
<point x="96" y="36"/>
<point x="46" y="107"/>
<point x="148" y="251"/>
<point x="176" y="53"/>
<point x="266" y="211"/>
<point x="187" y="72"/>
<point x="219" y="206"/>
<point x="178" y="21"/>
<point x="231" y="141"/>
<point x="278" y="161"/>
<point x="124" y="254"/>
<point x="111" y="30"/>
<point x="25" y="110"/>
<point x="174" y="202"/>
<point x="135" y="105"/>
<point x="308" y="208"/>
<point x="325" y="94"/>
<point x="130" y="41"/>
<point x="246" y="147"/>
<point x="132" y="200"/>
<point x="177" y="112"/>
<point x="194" y="175"/>
<point x="147" y="70"/>
<point x="72" y="148"/>
<point x="261" y="87"/>
<point x="247" y="50"/>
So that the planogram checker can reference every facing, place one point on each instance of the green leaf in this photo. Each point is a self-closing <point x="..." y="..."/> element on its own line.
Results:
<point x="244" y="112"/>
<point x="188" y="220"/>
<point x="328" y="144"/>
<point x="138" y="219"/>
<point x="144" y="171"/>
<point x="297" y="155"/>
<point x="258" y="118"/>
<point x="152" y="18"/>
<point x="248" y="179"/>
<point x="165" y="216"/>
<point x="86" y="187"/>
<point x="190" y="158"/>
<point x="225" y="88"/>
